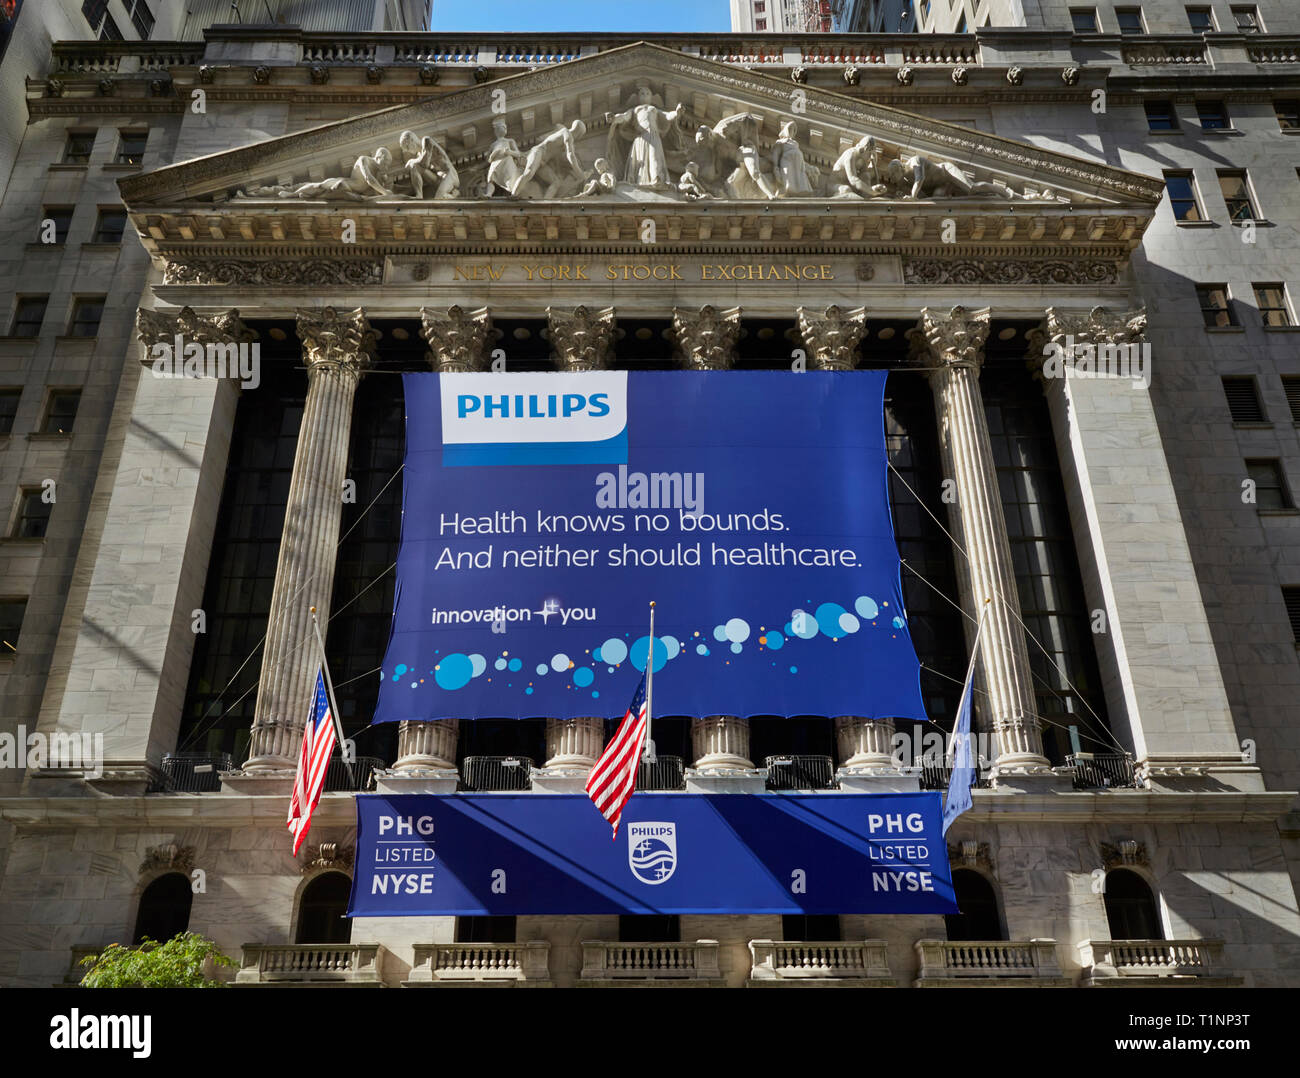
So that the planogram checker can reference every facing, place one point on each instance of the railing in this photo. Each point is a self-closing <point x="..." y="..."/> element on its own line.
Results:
<point x="191" y="772"/>
<point x="841" y="55"/>
<point x="481" y="962"/>
<point x="1274" y="51"/>
<point x="362" y="777"/>
<point x="696" y="961"/>
<point x="530" y="55"/>
<point x="105" y="57"/>
<point x="435" y="52"/>
<point x="938" y="776"/>
<point x="990" y="960"/>
<point x="1149" y="958"/>
<point x="1103" y="771"/>
<point x="790" y="960"/>
<point x="1157" y="52"/>
<point x="487" y="774"/>
<point x="339" y="53"/>
<point x="959" y="51"/>
<point x="666" y="773"/>
<point x="744" y="52"/>
<point x="800" y="773"/>
<point x="345" y="963"/>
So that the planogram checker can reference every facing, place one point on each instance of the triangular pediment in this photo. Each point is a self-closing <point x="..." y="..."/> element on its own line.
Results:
<point x="640" y="125"/>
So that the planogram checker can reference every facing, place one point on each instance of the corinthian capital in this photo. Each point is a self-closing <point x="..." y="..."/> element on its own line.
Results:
<point x="955" y="338"/>
<point x="162" y="327"/>
<point x="460" y="340"/>
<point x="833" y="337"/>
<point x="1098" y="326"/>
<point x="707" y="337"/>
<point x="584" y="340"/>
<point x="338" y="339"/>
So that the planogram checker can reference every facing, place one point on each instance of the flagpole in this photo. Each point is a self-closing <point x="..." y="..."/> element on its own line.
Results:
<point x="974" y="652"/>
<point x="329" y="691"/>
<point x="650" y="755"/>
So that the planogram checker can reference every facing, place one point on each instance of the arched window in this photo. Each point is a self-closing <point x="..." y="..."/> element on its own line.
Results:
<point x="322" y="910"/>
<point x="649" y="928"/>
<point x="979" y="918"/>
<point x="810" y="927"/>
<point x="485" y="930"/>
<point x="164" y="908"/>
<point x="1131" y="909"/>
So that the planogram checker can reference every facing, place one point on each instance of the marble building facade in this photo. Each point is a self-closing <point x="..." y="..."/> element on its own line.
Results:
<point x="944" y="207"/>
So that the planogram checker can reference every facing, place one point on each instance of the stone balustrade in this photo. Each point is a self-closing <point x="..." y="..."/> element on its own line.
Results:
<point x="302" y="963"/>
<point x="1033" y="962"/>
<point x="691" y="961"/>
<point x="1136" y="962"/>
<point x="792" y="960"/>
<point x="480" y="963"/>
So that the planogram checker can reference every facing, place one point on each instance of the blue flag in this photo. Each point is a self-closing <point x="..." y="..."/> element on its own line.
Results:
<point x="963" y="756"/>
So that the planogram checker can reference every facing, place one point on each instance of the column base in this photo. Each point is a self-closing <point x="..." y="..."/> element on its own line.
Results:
<point x="715" y="780"/>
<point x="554" y="779"/>
<point x="259" y="783"/>
<point x="1033" y="775"/>
<point x="876" y="780"/>
<point x="410" y="780"/>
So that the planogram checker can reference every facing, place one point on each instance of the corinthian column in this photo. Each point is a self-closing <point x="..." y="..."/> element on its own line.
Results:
<point x="337" y="347"/>
<point x="952" y="344"/>
<point x="707" y="338"/>
<point x="832" y="338"/>
<point x="584" y="340"/>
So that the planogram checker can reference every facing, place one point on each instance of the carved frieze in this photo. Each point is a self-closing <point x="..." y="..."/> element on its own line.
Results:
<point x="169" y="858"/>
<point x="286" y="272"/>
<point x="153" y="327"/>
<point x="1122" y="853"/>
<point x="328" y="855"/>
<point x="1008" y="271"/>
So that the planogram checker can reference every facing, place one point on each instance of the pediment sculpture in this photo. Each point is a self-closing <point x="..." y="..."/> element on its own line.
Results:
<point x="650" y="152"/>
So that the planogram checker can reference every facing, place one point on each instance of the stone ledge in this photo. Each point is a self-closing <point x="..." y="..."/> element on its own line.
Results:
<point x="821" y="982"/>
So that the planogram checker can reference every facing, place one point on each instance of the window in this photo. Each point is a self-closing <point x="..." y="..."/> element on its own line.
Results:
<point x="810" y="927"/>
<point x="1130" y="20"/>
<point x="33" y="515"/>
<point x="95" y="10"/>
<point x="1273" y="306"/>
<point x="9" y="10"/>
<point x="1213" y="115"/>
<point x="86" y="315"/>
<point x="759" y="24"/>
<point x="62" y="218"/>
<point x="77" y="149"/>
<point x="1243" y="399"/>
<point x="651" y="928"/>
<point x="130" y="147"/>
<point x="978" y="919"/>
<point x="109" y="31"/>
<point x="322" y="913"/>
<point x="1246" y="16"/>
<point x="485" y="930"/>
<point x="1182" y="196"/>
<point x="11" y="624"/>
<point x="1216" y="308"/>
<point x="141" y="18"/>
<point x="1291" y="596"/>
<point x="1161" y="116"/>
<point x="9" y="399"/>
<point x="164" y="910"/>
<point x="1236" y="195"/>
<point x="1131" y="912"/>
<point x="110" y="226"/>
<point x="1200" y="19"/>
<point x="61" y="411"/>
<point x="1291" y="387"/>
<point x="1288" y="114"/>
<point x="760" y="8"/>
<point x="28" y="316"/>
<point x="1270" y="484"/>
<point x="1084" y="19"/>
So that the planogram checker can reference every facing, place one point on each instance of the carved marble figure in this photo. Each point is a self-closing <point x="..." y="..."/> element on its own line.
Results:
<point x="635" y="139"/>
<point x="427" y="165"/>
<point x="553" y="162"/>
<point x="505" y="160"/>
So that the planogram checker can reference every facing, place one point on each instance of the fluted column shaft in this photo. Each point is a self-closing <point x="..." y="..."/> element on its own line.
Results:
<point x="574" y="742"/>
<point x="952" y="344"/>
<point x="720" y="742"/>
<point x="337" y="348"/>
<point x="863" y="742"/>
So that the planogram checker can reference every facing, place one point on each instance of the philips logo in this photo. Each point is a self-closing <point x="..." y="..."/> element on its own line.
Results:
<point x="512" y="419"/>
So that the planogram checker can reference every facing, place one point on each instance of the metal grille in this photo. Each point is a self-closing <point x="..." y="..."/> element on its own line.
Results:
<point x="666" y="773"/>
<point x="485" y="774"/>
<point x="1243" y="399"/>
<point x="938" y="776"/>
<point x="192" y="772"/>
<point x="800" y="773"/>
<point x="1103" y="771"/>
<point x="363" y="768"/>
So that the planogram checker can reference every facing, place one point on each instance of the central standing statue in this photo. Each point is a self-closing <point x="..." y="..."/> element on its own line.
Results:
<point x="645" y="163"/>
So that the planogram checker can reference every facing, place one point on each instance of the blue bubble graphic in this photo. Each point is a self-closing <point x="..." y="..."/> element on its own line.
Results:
<point x="583" y="676"/>
<point x="803" y="625"/>
<point x="559" y="662"/>
<point x="737" y="648"/>
<point x="639" y="649"/>
<point x="737" y="630"/>
<point x="500" y="664"/>
<point x="828" y="618"/>
<point x="515" y="665"/>
<point x="595" y="693"/>
<point x="454" y="671"/>
<point x="794" y="670"/>
<point x="774" y="640"/>
<point x="849" y="624"/>
<point x="866" y="607"/>
<point x="480" y="664"/>
<point x="898" y="623"/>
<point x="700" y="649"/>
<point x="542" y="669"/>
<point x="673" y="645"/>
<point x="613" y="651"/>
<point x="400" y="668"/>
<point x="720" y="633"/>
<point x="528" y="691"/>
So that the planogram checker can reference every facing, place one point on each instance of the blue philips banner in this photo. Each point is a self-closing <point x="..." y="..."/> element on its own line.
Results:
<point x="543" y="512"/>
<point x="502" y="854"/>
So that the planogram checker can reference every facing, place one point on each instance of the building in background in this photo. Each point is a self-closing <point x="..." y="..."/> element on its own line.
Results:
<point x="781" y="16"/>
<point x="962" y="16"/>
<point x="1139" y="820"/>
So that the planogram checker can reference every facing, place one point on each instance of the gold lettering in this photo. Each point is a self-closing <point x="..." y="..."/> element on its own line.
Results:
<point x="495" y="272"/>
<point x="676" y="274"/>
<point x="611" y="273"/>
<point x="530" y="270"/>
<point x="580" y="273"/>
<point x="827" y="275"/>
<point x="704" y="273"/>
<point x="468" y="273"/>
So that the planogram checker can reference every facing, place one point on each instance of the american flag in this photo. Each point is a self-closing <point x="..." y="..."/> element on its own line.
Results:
<point x="613" y="778"/>
<point x="317" y="748"/>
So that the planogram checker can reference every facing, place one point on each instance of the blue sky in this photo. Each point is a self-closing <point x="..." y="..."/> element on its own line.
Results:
<point x="662" y="16"/>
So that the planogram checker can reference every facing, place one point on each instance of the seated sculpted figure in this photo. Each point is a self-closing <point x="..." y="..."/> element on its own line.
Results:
<point x="939" y="179"/>
<point x="689" y="183"/>
<point x="428" y="167"/>
<point x="372" y="177"/>
<point x="553" y="162"/>
<point x="602" y="181"/>
<point x="505" y="160"/>
<point x="857" y="170"/>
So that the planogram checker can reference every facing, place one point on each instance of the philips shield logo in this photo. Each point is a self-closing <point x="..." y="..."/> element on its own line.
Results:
<point x="652" y="851"/>
<point x="538" y="418"/>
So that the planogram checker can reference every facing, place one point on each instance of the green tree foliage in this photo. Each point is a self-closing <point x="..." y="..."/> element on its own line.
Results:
<point x="178" y="963"/>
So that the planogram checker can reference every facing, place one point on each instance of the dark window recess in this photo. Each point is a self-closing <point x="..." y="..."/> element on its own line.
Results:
<point x="1161" y="116"/>
<point x="62" y="218"/>
<point x="1287" y="113"/>
<point x="1131" y="912"/>
<point x="650" y="928"/>
<point x="810" y="927"/>
<point x="33" y="515"/>
<point x="131" y="147"/>
<point x="1270" y="484"/>
<point x="1182" y="196"/>
<point x="11" y="624"/>
<point x="164" y="910"/>
<point x="1244" y="404"/>
<point x="1216" y="307"/>
<point x="142" y="19"/>
<point x="110" y="226"/>
<point x="1200" y="19"/>
<point x="1129" y="20"/>
<point x="1291" y="596"/>
<point x="1213" y="115"/>
<point x="1236" y="196"/>
<point x="61" y="411"/>
<point x="94" y="11"/>
<point x="1291" y="387"/>
<point x="78" y="148"/>
<point x="28" y="316"/>
<point x="1272" y="303"/>
<point x="322" y="912"/>
<point x="485" y="930"/>
<point x="1247" y="19"/>
<point x="1084" y="20"/>
<point x="978" y="919"/>
<point x="109" y="31"/>
<point x="86" y="316"/>
<point x="9" y="399"/>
